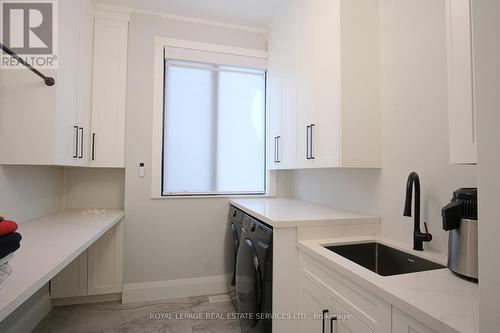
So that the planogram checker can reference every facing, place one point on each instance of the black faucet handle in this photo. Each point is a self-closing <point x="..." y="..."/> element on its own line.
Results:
<point x="427" y="235"/>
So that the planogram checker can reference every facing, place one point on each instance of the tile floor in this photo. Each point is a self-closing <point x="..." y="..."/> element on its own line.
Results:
<point x="198" y="315"/>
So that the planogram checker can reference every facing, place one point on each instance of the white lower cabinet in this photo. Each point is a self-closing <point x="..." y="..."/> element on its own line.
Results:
<point x="402" y="322"/>
<point x="72" y="280"/>
<point x="370" y="309"/>
<point x="105" y="263"/>
<point x="96" y="271"/>
<point x="323" y="290"/>
<point x="323" y="314"/>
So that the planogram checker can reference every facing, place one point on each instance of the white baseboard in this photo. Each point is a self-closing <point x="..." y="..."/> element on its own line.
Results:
<point x="163" y="290"/>
<point x="86" y="299"/>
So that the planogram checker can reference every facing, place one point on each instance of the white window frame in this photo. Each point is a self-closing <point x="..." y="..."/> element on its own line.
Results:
<point x="203" y="52"/>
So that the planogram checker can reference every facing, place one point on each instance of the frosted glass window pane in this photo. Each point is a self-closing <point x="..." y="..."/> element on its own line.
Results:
<point x="240" y="135"/>
<point x="188" y="122"/>
<point x="214" y="130"/>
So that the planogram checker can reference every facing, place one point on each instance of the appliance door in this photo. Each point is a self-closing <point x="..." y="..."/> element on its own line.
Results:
<point x="233" y="231"/>
<point x="249" y="288"/>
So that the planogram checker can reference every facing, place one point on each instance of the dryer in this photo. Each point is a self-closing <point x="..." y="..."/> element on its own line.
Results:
<point x="254" y="270"/>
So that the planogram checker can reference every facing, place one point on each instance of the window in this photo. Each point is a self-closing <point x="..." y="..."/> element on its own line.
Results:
<point x="213" y="129"/>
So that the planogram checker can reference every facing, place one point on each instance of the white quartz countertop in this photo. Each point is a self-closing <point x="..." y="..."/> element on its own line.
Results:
<point x="286" y="213"/>
<point x="437" y="298"/>
<point x="49" y="244"/>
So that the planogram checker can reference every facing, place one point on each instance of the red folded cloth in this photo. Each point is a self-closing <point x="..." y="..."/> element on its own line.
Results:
<point x="7" y="226"/>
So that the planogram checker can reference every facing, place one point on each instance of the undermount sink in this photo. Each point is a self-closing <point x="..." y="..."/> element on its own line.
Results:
<point x="382" y="259"/>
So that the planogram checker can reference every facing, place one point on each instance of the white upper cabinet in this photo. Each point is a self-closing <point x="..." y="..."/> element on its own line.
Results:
<point x="80" y="121"/>
<point x="289" y="86"/>
<point x="47" y="125"/>
<point x="462" y="124"/>
<point x="282" y="89"/>
<point x="330" y="83"/>
<point x="274" y="99"/>
<point x="84" y="97"/>
<point x="109" y="91"/>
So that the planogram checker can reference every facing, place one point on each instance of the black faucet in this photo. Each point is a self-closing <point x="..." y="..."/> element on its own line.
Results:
<point x="418" y="237"/>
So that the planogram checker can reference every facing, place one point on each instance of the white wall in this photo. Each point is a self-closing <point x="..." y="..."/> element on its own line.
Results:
<point x="487" y="62"/>
<point x="28" y="192"/>
<point x="168" y="239"/>
<point x="94" y="188"/>
<point x="414" y="129"/>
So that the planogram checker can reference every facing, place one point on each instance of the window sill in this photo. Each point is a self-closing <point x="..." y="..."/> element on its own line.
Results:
<point x="226" y="196"/>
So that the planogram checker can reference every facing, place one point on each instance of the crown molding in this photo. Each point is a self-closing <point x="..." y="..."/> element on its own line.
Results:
<point x="132" y="10"/>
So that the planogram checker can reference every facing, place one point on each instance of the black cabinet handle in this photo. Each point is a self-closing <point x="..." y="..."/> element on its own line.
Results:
<point x="76" y="141"/>
<point x="93" y="146"/>
<point x="325" y="313"/>
<point x="81" y="143"/>
<point x="311" y="150"/>
<point x="277" y="149"/>
<point x="333" y="323"/>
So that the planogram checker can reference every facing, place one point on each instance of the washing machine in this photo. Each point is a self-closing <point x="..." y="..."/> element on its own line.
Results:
<point x="254" y="271"/>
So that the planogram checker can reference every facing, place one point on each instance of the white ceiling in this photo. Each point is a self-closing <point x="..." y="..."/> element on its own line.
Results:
<point x="252" y="13"/>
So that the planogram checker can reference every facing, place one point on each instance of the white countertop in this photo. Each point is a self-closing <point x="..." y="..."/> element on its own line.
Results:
<point x="49" y="244"/>
<point x="286" y="213"/>
<point x="438" y="298"/>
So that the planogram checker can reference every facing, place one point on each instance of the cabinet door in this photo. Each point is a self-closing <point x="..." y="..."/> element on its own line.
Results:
<point x="105" y="263"/>
<point x="306" y="54"/>
<point x="461" y="113"/>
<point x="318" y="82"/>
<point x="84" y="104"/>
<point x="275" y="148"/>
<point x="401" y="322"/>
<point x="109" y="93"/>
<point x="282" y="84"/>
<point x="36" y="120"/>
<point x="72" y="280"/>
<point x="288" y="141"/>
<point x="326" y="69"/>
<point x="274" y="96"/>
<point x="316" y="305"/>
<point x="66" y="142"/>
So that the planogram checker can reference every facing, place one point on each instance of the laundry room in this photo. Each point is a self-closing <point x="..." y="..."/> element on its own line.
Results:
<point x="265" y="166"/>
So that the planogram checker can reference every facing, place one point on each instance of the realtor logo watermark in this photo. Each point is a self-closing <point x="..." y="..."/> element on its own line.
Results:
<point x="29" y="28"/>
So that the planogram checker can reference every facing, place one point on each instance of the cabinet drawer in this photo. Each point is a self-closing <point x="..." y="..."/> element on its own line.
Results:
<point x="370" y="309"/>
<point x="402" y="322"/>
<point x="315" y="302"/>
